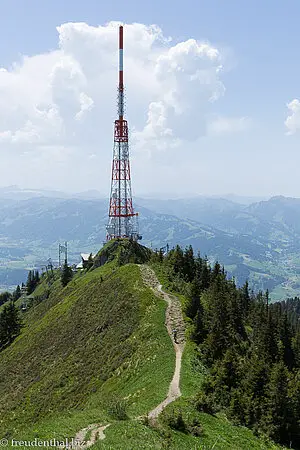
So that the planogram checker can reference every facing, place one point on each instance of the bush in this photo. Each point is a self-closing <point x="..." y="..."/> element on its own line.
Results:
<point x="117" y="408"/>
<point x="203" y="403"/>
<point x="176" y="422"/>
<point x="195" y="428"/>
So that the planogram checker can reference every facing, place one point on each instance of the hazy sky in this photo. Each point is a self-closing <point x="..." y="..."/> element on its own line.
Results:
<point x="212" y="94"/>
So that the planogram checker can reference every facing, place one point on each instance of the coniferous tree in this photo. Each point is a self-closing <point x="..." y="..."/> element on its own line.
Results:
<point x="66" y="274"/>
<point x="216" y="320"/>
<point x="176" y="259"/>
<point x="205" y="275"/>
<point x="17" y="293"/>
<point x="216" y="271"/>
<point x="10" y="324"/>
<point x="285" y="336"/>
<point x="200" y="331"/>
<point x="5" y="297"/>
<point x="294" y="409"/>
<point x="277" y="418"/>
<point x="90" y="262"/>
<point x="226" y="377"/>
<point x="36" y="278"/>
<point x="296" y="347"/>
<point x="245" y="299"/>
<point x="160" y="255"/>
<point x="193" y="301"/>
<point x="235" y="315"/>
<point x="253" y="385"/>
<point x="30" y="282"/>
<point x="189" y="264"/>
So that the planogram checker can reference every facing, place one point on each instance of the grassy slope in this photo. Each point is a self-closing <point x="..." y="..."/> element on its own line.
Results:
<point x="70" y="360"/>
<point x="60" y="373"/>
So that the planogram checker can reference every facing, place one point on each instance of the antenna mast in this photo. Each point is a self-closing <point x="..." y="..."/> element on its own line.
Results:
<point x="123" y="221"/>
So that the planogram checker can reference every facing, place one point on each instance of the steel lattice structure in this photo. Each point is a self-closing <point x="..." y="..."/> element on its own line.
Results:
<point x="123" y="221"/>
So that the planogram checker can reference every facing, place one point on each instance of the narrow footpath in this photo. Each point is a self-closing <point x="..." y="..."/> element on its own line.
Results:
<point x="174" y="320"/>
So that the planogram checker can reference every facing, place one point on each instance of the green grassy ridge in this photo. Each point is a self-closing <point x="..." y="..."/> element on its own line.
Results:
<point x="122" y="251"/>
<point x="63" y="364"/>
<point x="71" y="386"/>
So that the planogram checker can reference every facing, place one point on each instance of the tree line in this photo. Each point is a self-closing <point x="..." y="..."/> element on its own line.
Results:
<point x="10" y="320"/>
<point x="8" y="296"/>
<point x="10" y="324"/>
<point x="33" y="280"/>
<point x="250" y="347"/>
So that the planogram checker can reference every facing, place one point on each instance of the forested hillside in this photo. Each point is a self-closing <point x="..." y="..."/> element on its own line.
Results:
<point x="251" y="349"/>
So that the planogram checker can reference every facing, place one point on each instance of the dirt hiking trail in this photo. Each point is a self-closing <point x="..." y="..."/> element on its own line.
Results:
<point x="174" y="320"/>
<point x="95" y="431"/>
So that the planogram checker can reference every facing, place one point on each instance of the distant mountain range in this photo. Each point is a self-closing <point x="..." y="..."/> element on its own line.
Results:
<point x="259" y="242"/>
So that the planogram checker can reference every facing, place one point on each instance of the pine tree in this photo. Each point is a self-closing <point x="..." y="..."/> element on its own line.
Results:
<point x="205" y="275"/>
<point x="200" y="332"/>
<point x="10" y="324"/>
<point x="90" y="262"/>
<point x="189" y="264"/>
<point x="294" y="404"/>
<point x="264" y="331"/>
<point x="216" y="271"/>
<point x="5" y="297"/>
<point x="176" y="259"/>
<point x="277" y="418"/>
<point x="36" y="278"/>
<point x="285" y="336"/>
<point x="253" y="385"/>
<point x="193" y="301"/>
<point x="216" y="320"/>
<point x="66" y="274"/>
<point x="160" y="255"/>
<point x="30" y="282"/>
<point x="17" y="293"/>
<point x="245" y="299"/>
<point x="235" y="315"/>
<point x="296" y="348"/>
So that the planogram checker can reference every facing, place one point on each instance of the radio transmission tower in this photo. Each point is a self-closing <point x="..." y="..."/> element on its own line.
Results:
<point x="123" y="221"/>
<point x="62" y="250"/>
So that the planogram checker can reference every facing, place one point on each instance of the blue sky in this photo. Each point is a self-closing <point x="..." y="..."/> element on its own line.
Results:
<point x="264" y="36"/>
<point x="259" y="42"/>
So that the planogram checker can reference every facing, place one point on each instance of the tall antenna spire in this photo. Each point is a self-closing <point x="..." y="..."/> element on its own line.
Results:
<point x="122" y="221"/>
<point x="121" y="79"/>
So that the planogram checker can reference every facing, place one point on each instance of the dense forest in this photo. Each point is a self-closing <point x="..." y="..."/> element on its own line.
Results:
<point x="250" y="347"/>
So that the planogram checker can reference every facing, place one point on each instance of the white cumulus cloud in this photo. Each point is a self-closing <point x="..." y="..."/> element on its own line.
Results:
<point x="188" y="80"/>
<point x="226" y="125"/>
<point x="292" y="122"/>
<point x="66" y="98"/>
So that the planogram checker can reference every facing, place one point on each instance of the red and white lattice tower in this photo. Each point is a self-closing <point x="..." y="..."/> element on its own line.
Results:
<point x="123" y="221"/>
